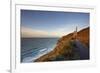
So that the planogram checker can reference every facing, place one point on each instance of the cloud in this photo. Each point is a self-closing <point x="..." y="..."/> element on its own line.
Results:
<point x="29" y="33"/>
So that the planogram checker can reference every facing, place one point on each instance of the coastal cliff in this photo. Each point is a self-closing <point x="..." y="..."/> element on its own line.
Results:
<point x="69" y="48"/>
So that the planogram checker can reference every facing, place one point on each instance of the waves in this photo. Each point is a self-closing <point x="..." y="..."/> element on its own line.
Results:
<point x="32" y="56"/>
<point x="33" y="48"/>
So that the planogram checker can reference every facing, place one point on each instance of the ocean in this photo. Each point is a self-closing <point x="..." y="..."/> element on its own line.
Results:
<point x="33" y="48"/>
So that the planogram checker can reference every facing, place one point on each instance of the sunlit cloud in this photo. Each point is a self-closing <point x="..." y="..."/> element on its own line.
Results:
<point x="29" y="33"/>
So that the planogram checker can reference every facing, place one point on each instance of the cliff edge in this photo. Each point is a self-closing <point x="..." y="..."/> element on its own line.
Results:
<point x="69" y="48"/>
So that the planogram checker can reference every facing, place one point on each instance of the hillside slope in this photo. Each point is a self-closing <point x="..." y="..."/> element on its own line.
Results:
<point x="67" y="49"/>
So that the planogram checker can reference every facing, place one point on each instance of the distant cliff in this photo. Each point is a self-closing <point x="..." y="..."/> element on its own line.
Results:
<point x="65" y="48"/>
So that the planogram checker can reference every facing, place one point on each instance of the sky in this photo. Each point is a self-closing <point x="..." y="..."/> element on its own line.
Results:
<point x="35" y="23"/>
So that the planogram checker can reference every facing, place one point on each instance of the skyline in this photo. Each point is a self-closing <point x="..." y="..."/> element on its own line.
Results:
<point x="35" y="23"/>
